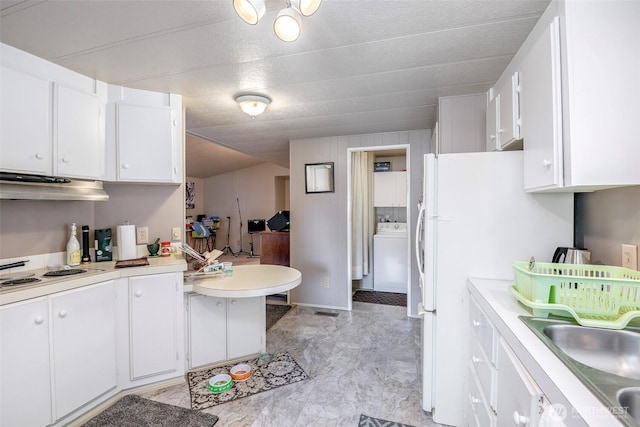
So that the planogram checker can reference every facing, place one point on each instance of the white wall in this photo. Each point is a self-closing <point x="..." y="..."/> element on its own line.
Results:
<point x="610" y="218"/>
<point x="319" y="221"/>
<point x="254" y="188"/>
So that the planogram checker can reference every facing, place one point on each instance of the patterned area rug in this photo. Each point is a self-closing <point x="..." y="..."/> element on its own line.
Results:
<point x="386" y="298"/>
<point x="275" y="313"/>
<point x="282" y="370"/>
<point x="366" y="421"/>
<point x="135" y="411"/>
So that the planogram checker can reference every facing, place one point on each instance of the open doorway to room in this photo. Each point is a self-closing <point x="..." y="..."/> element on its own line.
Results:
<point x="379" y="246"/>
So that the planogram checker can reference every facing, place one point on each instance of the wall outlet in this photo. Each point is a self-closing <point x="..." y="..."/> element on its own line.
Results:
<point x="142" y="235"/>
<point x="176" y="234"/>
<point x="630" y="256"/>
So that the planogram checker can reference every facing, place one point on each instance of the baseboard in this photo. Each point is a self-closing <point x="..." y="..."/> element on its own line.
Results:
<point x="330" y="307"/>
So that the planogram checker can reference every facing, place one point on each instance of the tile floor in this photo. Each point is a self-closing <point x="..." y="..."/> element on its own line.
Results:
<point x="363" y="361"/>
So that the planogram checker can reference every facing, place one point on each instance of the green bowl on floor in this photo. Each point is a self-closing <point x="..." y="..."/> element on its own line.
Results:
<point x="220" y="383"/>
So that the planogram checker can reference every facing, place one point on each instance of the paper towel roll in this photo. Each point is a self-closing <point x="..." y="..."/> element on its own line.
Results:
<point x="126" y="235"/>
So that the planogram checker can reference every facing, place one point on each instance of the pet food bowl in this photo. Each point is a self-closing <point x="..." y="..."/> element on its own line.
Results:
<point x="220" y="383"/>
<point x="241" y="372"/>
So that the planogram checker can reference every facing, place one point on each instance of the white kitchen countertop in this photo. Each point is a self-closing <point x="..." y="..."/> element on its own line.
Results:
<point x="96" y="272"/>
<point x="246" y="281"/>
<point x="558" y="383"/>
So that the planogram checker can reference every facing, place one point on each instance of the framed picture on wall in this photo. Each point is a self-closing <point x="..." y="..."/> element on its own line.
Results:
<point x="190" y="192"/>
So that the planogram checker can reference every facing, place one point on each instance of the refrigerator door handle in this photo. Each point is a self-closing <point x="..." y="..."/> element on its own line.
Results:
<point x="422" y="310"/>
<point x="419" y="255"/>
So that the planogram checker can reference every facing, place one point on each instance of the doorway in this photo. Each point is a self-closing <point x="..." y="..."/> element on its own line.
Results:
<point x="365" y="216"/>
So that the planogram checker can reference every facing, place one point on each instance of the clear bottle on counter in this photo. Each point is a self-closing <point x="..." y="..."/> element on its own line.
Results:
<point x="73" y="247"/>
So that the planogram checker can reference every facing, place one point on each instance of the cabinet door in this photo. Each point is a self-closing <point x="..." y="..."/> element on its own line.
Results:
<point x="518" y="394"/>
<point x="79" y="138"/>
<point x="542" y="112"/>
<point x="207" y="329"/>
<point x="401" y="189"/>
<point x="84" y="345"/>
<point x="152" y="325"/>
<point x="25" y="114"/>
<point x="145" y="149"/>
<point x="246" y="324"/>
<point x="383" y="189"/>
<point x="24" y="364"/>
<point x="492" y="123"/>
<point x="508" y="112"/>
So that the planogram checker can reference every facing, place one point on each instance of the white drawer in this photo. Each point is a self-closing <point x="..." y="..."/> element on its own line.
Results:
<point x="484" y="331"/>
<point x="479" y="414"/>
<point x="486" y="372"/>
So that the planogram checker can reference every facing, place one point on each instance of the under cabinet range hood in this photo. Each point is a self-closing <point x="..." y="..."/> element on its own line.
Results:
<point x="14" y="186"/>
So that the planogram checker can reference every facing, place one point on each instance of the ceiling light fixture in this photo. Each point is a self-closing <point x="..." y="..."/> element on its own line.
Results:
<point x="253" y="105"/>
<point x="288" y="22"/>
<point x="250" y="10"/>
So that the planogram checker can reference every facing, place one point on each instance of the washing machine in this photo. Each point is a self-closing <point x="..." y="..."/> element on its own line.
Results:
<point x="390" y="257"/>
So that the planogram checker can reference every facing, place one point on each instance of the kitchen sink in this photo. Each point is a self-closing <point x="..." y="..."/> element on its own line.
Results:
<point x="630" y="398"/>
<point x="607" y="361"/>
<point x="614" y="351"/>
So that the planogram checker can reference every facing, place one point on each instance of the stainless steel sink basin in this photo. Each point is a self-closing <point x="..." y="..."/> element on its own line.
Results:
<point x="614" y="351"/>
<point x="629" y="398"/>
<point x="607" y="361"/>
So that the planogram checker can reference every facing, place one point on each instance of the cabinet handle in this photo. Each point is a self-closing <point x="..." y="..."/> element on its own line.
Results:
<point x="125" y="166"/>
<point x="475" y="400"/>
<point x="65" y="160"/>
<point x="476" y="324"/>
<point x="233" y="301"/>
<point x="138" y="293"/>
<point x="219" y="304"/>
<point x="519" y="420"/>
<point x="475" y="360"/>
<point x="39" y="156"/>
<point x="62" y="314"/>
<point x="500" y="131"/>
<point x="492" y="136"/>
<point x="546" y="163"/>
<point x="38" y="320"/>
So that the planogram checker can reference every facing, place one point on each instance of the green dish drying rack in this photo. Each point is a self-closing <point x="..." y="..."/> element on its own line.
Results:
<point x="595" y="295"/>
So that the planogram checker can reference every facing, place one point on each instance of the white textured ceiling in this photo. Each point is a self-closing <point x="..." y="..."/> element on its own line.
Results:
<point x="360" y="66"/>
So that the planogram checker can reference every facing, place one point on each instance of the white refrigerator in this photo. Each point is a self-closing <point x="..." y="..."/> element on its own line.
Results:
<point x="474" y="221"/>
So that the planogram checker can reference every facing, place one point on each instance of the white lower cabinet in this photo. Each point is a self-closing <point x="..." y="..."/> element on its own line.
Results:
<point x="221" y="329"/>
<point x="501" y="391"/>
<point x="84" y="345"/>
<point x="25" y="384"/>
<point x="150" y="314"/>
<point x="520" y="400"/>
<point x="58" y="354"/>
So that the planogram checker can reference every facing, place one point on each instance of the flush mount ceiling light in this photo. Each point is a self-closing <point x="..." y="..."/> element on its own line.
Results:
<point x="250" y="10"/>
<point x="253" y="105"/>
<point x="288" y="22"/>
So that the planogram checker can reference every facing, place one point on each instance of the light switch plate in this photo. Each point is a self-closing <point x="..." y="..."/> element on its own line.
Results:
<point x="630" y="256"/>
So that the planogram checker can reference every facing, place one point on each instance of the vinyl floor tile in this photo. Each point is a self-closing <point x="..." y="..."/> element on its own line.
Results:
<point x="351" y="359"/>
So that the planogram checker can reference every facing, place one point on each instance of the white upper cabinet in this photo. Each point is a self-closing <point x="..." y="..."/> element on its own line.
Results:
<point x="52" y="118"/>
<point x="462" y="123"/>
<point x="144" y="136"/>
<point x="79" y="134"/>
<point x="580" y="97"/>
<point x="503" y="115"/>
<point x="390" y="189"/>
<point x="25" y="115"/>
